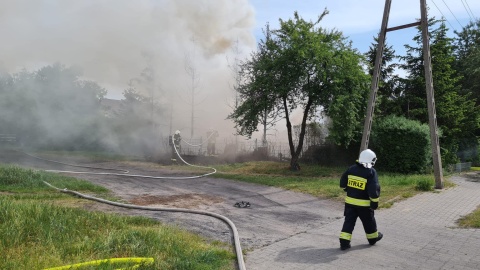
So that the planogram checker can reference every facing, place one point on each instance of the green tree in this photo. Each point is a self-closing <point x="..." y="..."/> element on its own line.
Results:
<point x="302" y="66"/>
<point x="51" y="107"/>
<point x="467" y="52"/>
<point x="389" y="91"/>
<point x="457" y="114"/>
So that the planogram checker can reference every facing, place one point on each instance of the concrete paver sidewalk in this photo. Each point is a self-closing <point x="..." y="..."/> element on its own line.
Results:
<point x="419" y="233"/>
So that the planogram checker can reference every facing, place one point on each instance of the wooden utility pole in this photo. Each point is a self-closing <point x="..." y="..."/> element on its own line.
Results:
<point x="367" y="127"/>
<point x="432" y="118"/>
<point x="432" y="115"/>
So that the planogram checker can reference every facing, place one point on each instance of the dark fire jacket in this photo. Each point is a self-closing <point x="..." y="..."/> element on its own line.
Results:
<point x="361" y="185"/>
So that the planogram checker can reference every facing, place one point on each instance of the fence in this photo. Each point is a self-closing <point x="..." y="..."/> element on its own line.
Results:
<point x="198" y="147"/>
<point x="8" y="138"/>
<point x="461" y="167"/>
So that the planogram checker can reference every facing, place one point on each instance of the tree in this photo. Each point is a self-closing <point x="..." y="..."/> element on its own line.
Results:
<point x="52" y="107"/>
<point x="467" y="55"/>
<point x="467" y="52"/>
<point x="388" y="86"/>
<point x="301" y="66"/>
<point x="457" y="114"/>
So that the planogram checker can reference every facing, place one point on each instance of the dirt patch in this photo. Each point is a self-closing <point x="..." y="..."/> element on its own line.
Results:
<point x="181" y="201"/>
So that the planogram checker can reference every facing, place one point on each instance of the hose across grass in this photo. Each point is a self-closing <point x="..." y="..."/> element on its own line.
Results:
<point x="39" y="230"/>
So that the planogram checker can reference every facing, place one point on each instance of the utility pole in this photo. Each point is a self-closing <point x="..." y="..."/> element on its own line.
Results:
<point x="367" y="127"/>
<point x="432" y="115"/>
<point x="192" y="72"/>
<point x="432" y="118"/>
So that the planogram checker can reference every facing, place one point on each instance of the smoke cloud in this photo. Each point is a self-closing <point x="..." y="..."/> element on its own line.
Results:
<point x="114" y="41"/>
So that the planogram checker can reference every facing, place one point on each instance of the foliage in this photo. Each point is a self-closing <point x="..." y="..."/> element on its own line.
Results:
<point x="51" y="107"/>
<point x="467" y="54"/>
<point x="425" y="185"/>
<point x="389" y="90"/>
<point x="401" y="145"/>
<point x="457" y="114"/>
<point x="300" y="67"/>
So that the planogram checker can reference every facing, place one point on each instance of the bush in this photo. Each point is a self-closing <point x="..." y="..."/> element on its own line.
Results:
<point x="401" y="145"/>
<point x="424" y="185"/>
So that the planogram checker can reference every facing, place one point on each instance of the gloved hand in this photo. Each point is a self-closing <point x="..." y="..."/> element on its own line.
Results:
<point x="373" y="205"/>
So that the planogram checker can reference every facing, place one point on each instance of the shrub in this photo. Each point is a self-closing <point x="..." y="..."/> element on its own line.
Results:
<point x="424" y="185"/>
<point x="401" y="145"/>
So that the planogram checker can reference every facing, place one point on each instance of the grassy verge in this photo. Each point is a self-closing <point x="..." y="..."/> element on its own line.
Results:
<point x="39" y="229"/>
<point x="323" y="182"/>
<point x="471" y="220"/>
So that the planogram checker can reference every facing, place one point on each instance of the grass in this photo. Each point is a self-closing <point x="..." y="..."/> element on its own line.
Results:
<point x="471" y="220"/>
<point x="41" y="228"/>
<point x="322" y="181"/>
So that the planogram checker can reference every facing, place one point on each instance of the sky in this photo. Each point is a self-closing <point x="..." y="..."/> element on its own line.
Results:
<point x="360" y="21"/>
<point x="193" y="46"/>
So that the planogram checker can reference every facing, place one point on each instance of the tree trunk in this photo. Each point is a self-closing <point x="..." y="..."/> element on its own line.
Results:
<point x="295" y="153"/>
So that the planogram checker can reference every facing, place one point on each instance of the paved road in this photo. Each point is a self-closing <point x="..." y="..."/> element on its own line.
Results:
<point x="419" y="233"/>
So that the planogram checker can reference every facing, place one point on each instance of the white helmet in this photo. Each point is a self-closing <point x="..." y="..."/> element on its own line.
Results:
<point x="177" y="132"/>
<point x="367" y="158"/>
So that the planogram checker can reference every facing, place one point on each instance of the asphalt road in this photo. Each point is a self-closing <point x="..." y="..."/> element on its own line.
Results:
<point x="274" y="214"/>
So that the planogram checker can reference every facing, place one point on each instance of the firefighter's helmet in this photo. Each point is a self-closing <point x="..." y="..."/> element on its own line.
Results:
<point x="177" y="132"/>
<point x="367" y="158"/>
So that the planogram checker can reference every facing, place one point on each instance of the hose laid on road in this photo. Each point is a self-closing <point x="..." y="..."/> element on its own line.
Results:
<point x="233" y="229"/>
<point x="125" y="172"/>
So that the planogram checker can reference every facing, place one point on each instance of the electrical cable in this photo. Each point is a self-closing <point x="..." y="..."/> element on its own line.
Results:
<point x="443" y="15"/>
<point x="470" y="9"/>
<point x="233" y="229"/>
<point x="452" y="13"/>
<point x="464" y="6"/>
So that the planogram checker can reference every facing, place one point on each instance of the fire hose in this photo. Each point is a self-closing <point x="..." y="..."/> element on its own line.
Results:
<point x="232" y="227"/>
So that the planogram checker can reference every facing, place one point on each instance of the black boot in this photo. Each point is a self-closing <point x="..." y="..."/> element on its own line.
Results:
<point x="344" y="244"/>
<point x="375" y="240"/>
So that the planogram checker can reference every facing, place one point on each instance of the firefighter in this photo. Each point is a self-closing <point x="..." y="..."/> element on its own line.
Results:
<point x="360" y="181"/>
<point x="212" y="138"/>
<point x="175" y="144"/>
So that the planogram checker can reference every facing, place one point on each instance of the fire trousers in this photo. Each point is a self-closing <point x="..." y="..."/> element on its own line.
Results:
<point x="366" y="215"/>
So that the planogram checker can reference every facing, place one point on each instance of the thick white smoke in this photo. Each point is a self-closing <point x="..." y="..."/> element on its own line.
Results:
<point x="110" y="39"/>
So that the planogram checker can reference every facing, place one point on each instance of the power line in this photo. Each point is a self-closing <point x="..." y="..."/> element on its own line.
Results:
<point x="452" y="13"/>
<point x="470" y="9"/>
<point x="467" y="10"/>
<point x="443" y="15"/>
